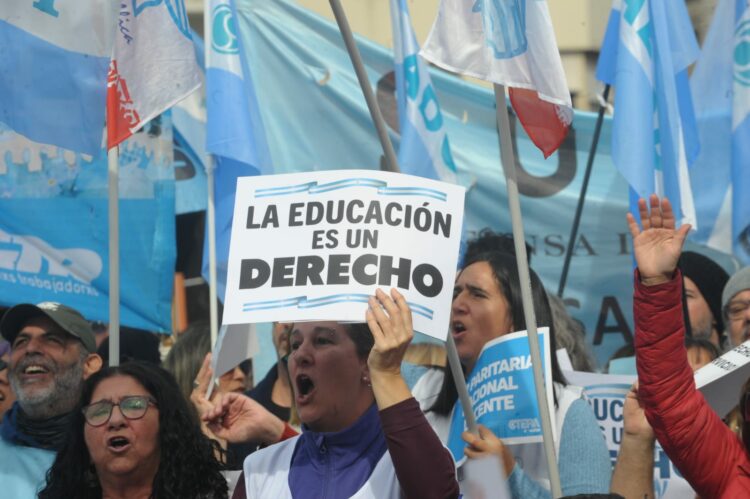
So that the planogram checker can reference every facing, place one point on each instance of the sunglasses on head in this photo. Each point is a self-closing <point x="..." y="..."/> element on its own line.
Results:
<point x="131" y="407"/>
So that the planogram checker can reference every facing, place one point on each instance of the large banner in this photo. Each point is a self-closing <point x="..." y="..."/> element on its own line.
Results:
<point x="54" y="230"/>
<point x="311" y="78"/>
<point x="315" y="246"/>
<point x="606" y="394"/>
<point x="503" y="397"/>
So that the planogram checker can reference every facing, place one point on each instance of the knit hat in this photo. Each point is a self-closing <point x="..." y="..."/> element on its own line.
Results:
<point x="709" y="277"/>
<point x="740" y="281"/>
<point x="70" y="320"/>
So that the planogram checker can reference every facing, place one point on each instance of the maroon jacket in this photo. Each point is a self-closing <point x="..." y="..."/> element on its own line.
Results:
<point x="710" y="457"/>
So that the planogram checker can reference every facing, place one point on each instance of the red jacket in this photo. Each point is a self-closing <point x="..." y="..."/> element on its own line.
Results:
<point x="710" y="457"/>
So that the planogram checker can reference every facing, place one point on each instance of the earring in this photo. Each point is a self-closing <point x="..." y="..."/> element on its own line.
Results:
<point x="366" y="381"/>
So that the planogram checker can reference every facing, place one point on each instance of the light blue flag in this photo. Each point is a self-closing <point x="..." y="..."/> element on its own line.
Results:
<point x="646" y="51"/>
<point x="190" y="157"/>
<point x="424" y="149"/>
<point x="54" y="243"/>
<point x="235" y="133"/>
<point x="721" y="91"/>
<point x="53" y="70"/>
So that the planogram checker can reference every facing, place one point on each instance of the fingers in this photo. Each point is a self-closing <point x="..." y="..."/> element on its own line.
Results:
<point x="656" y="221"/>
<point x="643" y="213"/>
<point x="633" y="225"/>
<point x="203" y="378"/>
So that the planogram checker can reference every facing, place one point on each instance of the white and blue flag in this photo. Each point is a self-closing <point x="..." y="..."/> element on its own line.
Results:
<point x="646" y="51"/>
<point x="235" y="133"/>
<point x="424" y="149"/>
<point x="53" y="70"/>
<point x="721" y="91"/>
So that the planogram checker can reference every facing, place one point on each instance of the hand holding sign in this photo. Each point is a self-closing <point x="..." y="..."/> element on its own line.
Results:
<point x="657" y="248"/>
<point x="391" y="326"/>
<point x="487" y="443"/>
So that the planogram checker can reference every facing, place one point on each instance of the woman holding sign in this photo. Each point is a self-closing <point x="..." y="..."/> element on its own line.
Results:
<point x="708" y="454"/>
<point x="363" y="434"/>
<point x="487" y="305"/>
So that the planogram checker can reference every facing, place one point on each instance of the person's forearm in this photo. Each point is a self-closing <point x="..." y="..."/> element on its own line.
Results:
<point x="389" y="389"/>
<point x="634" y="472"/>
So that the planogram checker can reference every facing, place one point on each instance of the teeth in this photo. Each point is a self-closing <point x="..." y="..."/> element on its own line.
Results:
<point x="35" y="370"/>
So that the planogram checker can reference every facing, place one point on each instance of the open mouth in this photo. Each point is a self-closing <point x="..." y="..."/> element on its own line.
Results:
<point x="305" y="387"/>
<point x="35" y="369"/>
<point x="458" y="328"/>
<point x="118" y="443"/>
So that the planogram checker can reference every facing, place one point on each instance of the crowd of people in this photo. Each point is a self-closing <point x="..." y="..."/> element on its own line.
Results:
<point x="338" y="415"/>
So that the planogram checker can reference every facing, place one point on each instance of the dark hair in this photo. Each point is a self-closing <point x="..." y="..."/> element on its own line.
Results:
<point x="505" y="272"/>
<point x="489" y="240"/>
<point x="188" y="468"/>
<point x="361" y="335"/>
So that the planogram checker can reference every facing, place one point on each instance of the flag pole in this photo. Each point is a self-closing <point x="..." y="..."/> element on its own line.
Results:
<point x="372" y="103"/>
<point x="113" y="168"/>
<point x="392" y="165"/>
<point x="213" y="307"/>
<point x="508" y="160"/>
<point x="584" y="188"/>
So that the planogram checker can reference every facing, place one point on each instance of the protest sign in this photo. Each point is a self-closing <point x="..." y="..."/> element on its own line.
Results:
<point x="483" y="479"/>
<point x="722" y="379"/>
<point x="315" y="246"/>
<point x="606" y="395"/>
<point x="501" y="387"/>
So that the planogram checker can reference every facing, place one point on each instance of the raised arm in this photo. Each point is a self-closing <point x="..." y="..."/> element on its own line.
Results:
<point x="423" y="466"/>
<point x="691" y="433"/>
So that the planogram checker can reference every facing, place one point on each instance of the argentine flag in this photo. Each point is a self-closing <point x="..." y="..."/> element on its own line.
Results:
<point x="53" y="70"/>
<point x="721" y="91"/>
<point x="234" y="129"/>
<point x="424" y="149"/>
<point x="646" y="51"/>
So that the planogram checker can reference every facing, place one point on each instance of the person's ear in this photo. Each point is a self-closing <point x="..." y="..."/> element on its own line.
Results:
<point x="92" y="364"/>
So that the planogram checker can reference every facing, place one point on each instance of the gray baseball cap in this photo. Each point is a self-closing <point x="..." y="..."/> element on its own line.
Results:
<point x="70" y="320"/>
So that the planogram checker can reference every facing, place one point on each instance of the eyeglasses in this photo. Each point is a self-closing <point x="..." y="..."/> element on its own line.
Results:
<point x="736" y="309"/>
<point x="131" y="407"/>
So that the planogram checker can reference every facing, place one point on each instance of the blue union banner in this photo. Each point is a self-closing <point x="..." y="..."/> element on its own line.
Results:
<point x="54" y="229"/>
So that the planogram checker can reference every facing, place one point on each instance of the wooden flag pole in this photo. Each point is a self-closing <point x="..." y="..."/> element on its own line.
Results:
<point x="392" y="165"/>
<point x="508" y="160"/>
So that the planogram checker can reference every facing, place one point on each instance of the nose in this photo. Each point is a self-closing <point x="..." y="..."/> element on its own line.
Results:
<point x="459" y="303"/>
<point x="116" y="419"/>
<point x="303" y="354"/>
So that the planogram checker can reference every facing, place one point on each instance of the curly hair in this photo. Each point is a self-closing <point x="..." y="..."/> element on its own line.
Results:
<point x="188" y="468"/>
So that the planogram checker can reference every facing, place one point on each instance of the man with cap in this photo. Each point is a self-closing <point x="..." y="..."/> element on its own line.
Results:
<point x="704" y="281"/>
<point x="52" y="352"/>
<point x="736" y="305"/>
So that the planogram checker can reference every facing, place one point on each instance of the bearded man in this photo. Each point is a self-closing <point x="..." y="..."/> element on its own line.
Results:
<point x="52" y="352"/>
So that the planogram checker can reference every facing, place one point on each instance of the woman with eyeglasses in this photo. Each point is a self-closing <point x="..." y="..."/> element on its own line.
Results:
<point x="708" y="454"/>
<point x="134" y="436"/>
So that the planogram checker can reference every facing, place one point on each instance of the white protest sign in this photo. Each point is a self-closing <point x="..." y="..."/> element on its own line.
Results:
<point x="606" y="395"/>
<point x="722" y="379"/>
<point x="315" y="246"/>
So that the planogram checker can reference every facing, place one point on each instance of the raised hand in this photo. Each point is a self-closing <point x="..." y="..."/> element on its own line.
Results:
<point x="658" y="246"/>
<point x="389" y="319"/>
<point x="390" y="322"/>
<point x="238" y="418"/>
